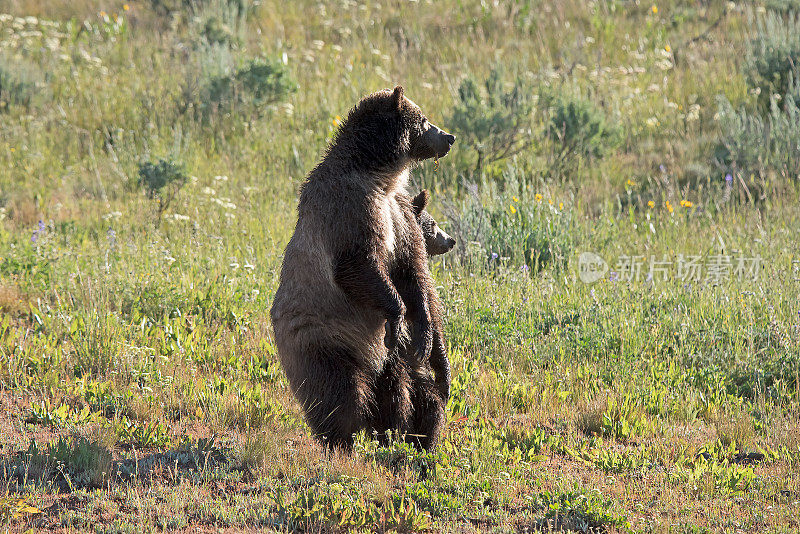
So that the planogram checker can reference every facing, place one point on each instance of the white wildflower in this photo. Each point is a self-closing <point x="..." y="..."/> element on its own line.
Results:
<point x="664" y="64"/>
<point x="225" y="203"/>
<point x="693" y="113"/>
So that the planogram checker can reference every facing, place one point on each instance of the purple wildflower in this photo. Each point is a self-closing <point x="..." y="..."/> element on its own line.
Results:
<point x="495" y="255"/>
<point x="662" y="168"/>
<point x="613" y="276"/>
<point x="39" y="230"/>
<point x="728" y="178"/>
<point x="525" y="267"/>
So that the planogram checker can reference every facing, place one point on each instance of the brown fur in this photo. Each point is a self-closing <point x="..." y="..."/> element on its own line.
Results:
<point x="436" y="242"/>
<point x="354" y="273"/>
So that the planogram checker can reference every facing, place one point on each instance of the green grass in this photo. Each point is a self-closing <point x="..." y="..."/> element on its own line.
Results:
<point x="140" y="388"/>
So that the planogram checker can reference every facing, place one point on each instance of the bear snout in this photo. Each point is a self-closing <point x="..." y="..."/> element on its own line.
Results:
<point x="446" y="141"/>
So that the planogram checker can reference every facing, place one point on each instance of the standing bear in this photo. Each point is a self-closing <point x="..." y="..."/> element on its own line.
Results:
<point x="355" y="282"/>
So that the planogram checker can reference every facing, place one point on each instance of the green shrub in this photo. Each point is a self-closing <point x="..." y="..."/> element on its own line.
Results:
<point x="783" y="6"/>
<point x="578" y="128"/>
<point x="18" y="84"/>
<point x="758" y="148"/>
<point x="256" y="84"/>
<point x="493" y="122"/>
<point x="773" y="57"/>
<point x="162" y="180"/>
<point x="221" y="22"/>
<point x="168" y="7"/>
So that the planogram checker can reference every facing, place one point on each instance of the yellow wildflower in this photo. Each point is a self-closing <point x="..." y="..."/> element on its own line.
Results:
<point x="668" y="206"/>
<point x="654" y="9"/>
<point x="561" y="205"/>
<point x="513" y="209"/>
<point x="125" y="7"/>
<point x="515" y="199"/>
<point x="651" y="204"/>
<point x="538" y="197"/>
<point x="550" y="201"/>
<point x="630" y="183"/>
<point x="668" y="48"/>
<point x="686" y="204"/>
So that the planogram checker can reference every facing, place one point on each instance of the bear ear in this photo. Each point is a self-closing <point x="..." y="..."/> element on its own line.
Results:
<point x="397" y="97"/>
<point x="420" y="201"/>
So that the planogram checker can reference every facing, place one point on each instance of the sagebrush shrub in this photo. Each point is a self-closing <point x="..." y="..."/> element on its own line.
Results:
<point x="162" y="180"/>
<point x="773" y="57"/>
<point x="167" y="7"/>
<point x="758" y="147"/>
<point x="221" y="22"/>
<point x="578" y="127"/>
<point x="492" y="121"/>
<point x="18" y="84"/>
<point x="256" y="84"/>
<point x="783" y="6"/>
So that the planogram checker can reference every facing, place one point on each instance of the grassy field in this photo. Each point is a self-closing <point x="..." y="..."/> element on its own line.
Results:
<point x="150" y="156"/>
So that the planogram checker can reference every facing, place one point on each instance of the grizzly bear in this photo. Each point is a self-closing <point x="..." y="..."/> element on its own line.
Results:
<point x="354" y="274"/>
<point x="436" y="242"/>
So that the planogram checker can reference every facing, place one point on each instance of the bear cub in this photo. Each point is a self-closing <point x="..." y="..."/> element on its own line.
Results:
<point x="436" y="242"/>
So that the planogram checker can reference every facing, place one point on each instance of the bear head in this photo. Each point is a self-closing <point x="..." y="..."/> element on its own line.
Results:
<point x="387" y="132"/>
<point x="436" y="240"/>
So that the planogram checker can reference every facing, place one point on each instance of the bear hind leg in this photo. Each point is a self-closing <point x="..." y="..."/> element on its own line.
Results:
<point x="428" y="419"/>
<point x="335" y="397"/>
